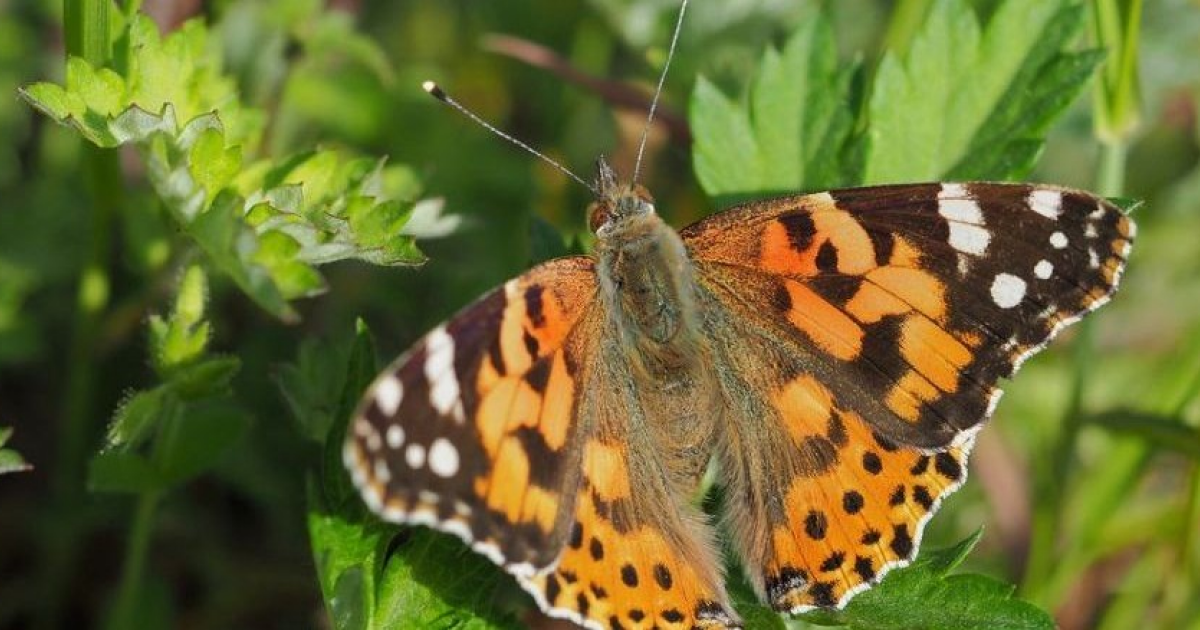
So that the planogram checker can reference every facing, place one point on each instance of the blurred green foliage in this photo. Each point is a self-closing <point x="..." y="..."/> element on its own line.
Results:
<point x="252" y="200"/>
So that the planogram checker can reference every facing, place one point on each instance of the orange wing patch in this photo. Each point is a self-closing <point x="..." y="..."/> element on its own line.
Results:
<point x="613" y="578"/>
<point x="852" y="522"/>
<point x="631" y="560"/>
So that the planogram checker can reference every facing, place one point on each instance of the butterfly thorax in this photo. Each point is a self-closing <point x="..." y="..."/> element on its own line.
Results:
<point x="649" y="291"/>
<point x="645" y="280"/>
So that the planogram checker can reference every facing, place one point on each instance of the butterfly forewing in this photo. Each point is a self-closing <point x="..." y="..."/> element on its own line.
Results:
<point x="915" y="299"/>
<point x="472" y="431"/>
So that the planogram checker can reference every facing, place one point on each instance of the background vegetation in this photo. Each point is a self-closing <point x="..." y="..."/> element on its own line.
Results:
<point x="178" y="314"/>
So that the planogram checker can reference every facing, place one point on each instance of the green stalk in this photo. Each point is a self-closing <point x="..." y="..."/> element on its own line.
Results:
<point x="906" y="20"/>
<point x="124" y="615"/>
<point x="86" y="26"/>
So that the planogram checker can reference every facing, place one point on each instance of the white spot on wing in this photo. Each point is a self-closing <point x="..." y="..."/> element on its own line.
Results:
<point x="1047" y="203"/>
<point x="443" y="458"/>
<point x="951" y="190"/>
<point x="1007" y="290"/>
<point x="1043" y="269"/>
<point x="962" y="210"/>
<point x="969" y="239"/>
<point x="414" y="455"/>
<point x="1058" y="240"/>
<point x="374" y="443"/>
<point x="395" y="436"/>
<point x="388" y="393"/>
<point x="439" y="371"/>
<point x="382" y="473"/>
<point x="1093" y="259"/>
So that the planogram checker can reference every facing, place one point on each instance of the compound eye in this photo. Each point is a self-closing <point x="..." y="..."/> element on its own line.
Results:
<point x="599" y="214"/>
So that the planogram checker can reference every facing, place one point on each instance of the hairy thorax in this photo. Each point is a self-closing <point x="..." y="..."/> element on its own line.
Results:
<point x="646" y="280"/>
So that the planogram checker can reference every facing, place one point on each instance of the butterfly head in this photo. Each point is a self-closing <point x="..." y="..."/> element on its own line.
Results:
<point x="616" y="202"/>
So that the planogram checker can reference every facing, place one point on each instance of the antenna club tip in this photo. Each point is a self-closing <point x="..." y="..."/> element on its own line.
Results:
<point x="434" y="90"/>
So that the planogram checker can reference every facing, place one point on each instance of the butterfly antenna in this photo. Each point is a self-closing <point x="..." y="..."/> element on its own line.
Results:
<point x="637" y="165"/>
<point x="437" y="92"/>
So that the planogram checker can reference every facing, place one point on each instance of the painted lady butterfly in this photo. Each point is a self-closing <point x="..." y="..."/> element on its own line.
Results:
<point x="834" y="354"/>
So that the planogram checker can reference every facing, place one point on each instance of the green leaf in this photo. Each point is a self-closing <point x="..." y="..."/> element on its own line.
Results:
<point x="923" y="596"/>
<point x="182" y="338"/>
<point x="789" y="134"/>
<point x="207" y="378"/>
<point x="212" y="164"/>
<point x="10" y="460"/>
<point x="196" y="438"/>
<point x="973" y="102"/>
<point x="376" y="575"/>
<point x="431" y="579"/>
<point x="348" y="555"/>
<point x="361" y="367"/>
<point x="122" y="471"/>
<point x="266" y="225"/>
<point x="231" y="245"/>
<point x="137" y="416"/>
<point x="1162" y="431"/>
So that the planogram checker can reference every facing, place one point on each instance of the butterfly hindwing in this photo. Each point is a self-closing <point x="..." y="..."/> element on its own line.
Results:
<point x="639" y="556"/>
<point x="471" y="431"/>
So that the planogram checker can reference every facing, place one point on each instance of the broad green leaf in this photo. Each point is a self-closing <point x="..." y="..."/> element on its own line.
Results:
<point x="348" y="554"/>
<point x="10" y="460"/>
<point x="967" y="101"/>
<point x="361" y="368"/>
<point x="789" y="133"/>
<point x="923" y="596"/>
<point x="196" y="438"/>
<point x="376" y="576"/>
<point x="431" y="579"/>
<point x="122" y="471"/>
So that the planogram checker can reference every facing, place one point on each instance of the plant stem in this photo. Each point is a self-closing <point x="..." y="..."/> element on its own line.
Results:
<point x="86" y="28"/>
<point x="128" y="594"/>
<point x="906" y="20"/>
<point x="1110" y="178"/>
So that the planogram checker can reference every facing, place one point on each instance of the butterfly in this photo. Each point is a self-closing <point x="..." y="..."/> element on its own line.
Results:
<point x="830" y="356"/>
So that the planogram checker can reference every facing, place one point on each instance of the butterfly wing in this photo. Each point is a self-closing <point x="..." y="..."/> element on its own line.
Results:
<point x="472" y="430"/>
<point x="917" y="298"/>
<point x="864" y="332"/>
